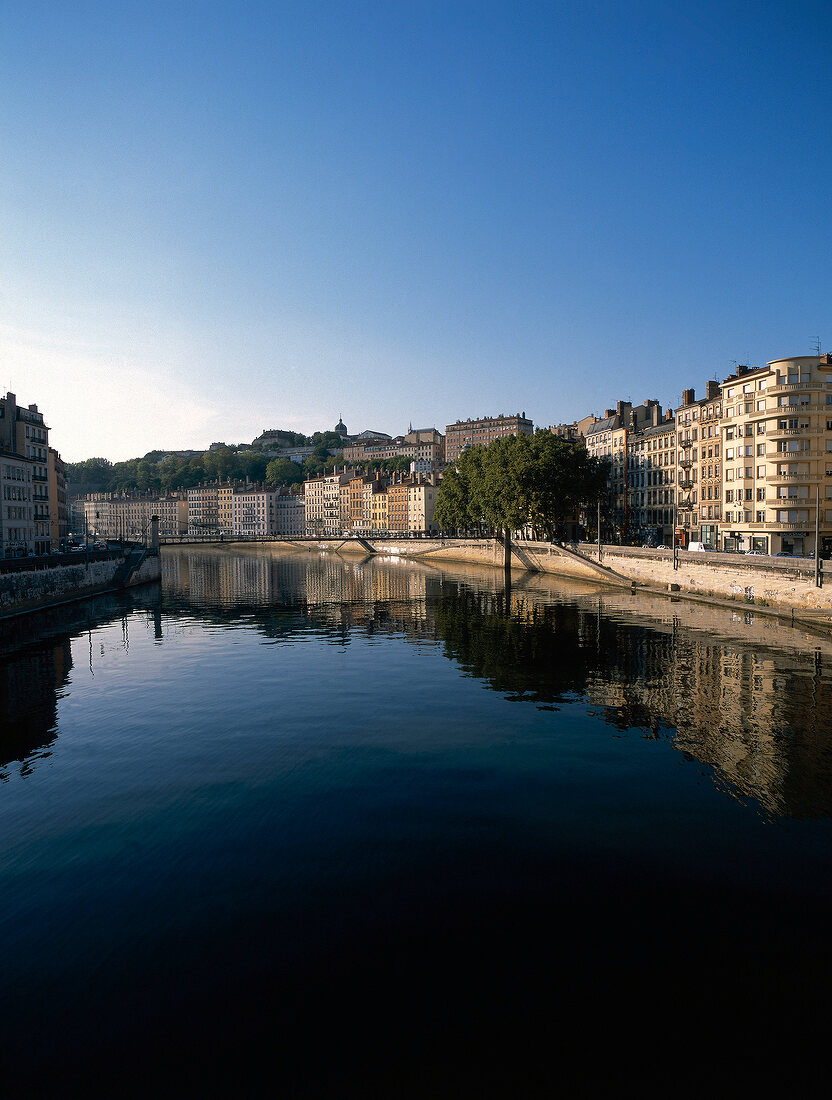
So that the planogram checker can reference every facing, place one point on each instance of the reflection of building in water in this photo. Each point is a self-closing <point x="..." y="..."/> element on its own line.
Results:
<point x="29" y="685"/>
<point x="755" y="715"/>
<point x="244" y="579"/>
<point x="739" y="693"/>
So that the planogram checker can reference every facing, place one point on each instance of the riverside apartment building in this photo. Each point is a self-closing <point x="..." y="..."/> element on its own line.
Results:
<point x="699" y="474"/>
<point x="777" y="444"/>
<point x="24" y="480"/>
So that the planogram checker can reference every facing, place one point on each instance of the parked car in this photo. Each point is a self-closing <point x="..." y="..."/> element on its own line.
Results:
<point x="757" y="553"/>
<point x="662" y="546"/>
<point x="783" y="554"/>
<point x="697" y="547"/>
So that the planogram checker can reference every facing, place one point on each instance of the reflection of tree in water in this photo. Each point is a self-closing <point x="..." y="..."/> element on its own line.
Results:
<point x="535" y="658"/>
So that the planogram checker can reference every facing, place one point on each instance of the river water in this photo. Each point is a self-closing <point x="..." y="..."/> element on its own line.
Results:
<point x="335" y="826"/>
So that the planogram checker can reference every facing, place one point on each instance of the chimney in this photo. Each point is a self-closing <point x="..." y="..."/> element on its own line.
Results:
<point x="656" y="413"/>
<point x="713" y="389"/>
<point x="688" y="397"/>
<point x="668" y="416"/>
<point x="741" y="370"/>
<point x="609" y="413"/>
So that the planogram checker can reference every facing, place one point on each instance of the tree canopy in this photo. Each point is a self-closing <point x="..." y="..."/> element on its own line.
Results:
<point x="518" y="481"/>
<point x="155" y="473"/>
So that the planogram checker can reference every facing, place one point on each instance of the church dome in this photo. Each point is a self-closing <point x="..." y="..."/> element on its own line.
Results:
<point x="341" y="428"/>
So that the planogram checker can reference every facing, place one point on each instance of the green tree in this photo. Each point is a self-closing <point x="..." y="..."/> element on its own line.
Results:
<point x="281" y="471"/>
<point x="253" y="465"/>
<point x="94" y="472"/>
<point x="147" y="476"/>
<point x="517" y="481"/>
<point x="220" y="463"/>
<point x="451" y="510"/>
<point x="171" y="472"/>
<point x="563" y="476"/>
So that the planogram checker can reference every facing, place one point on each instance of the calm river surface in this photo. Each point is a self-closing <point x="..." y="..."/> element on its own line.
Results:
<point x="332" y="826"/>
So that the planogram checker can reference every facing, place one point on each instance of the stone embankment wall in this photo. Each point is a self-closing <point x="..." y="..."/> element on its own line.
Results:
<point x="786" y="584"/>
<point x="31" y="591"/>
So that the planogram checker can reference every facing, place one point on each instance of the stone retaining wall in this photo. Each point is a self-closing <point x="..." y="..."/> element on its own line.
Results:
<point x="46" y="587"/>
<point x="786" y="583"/>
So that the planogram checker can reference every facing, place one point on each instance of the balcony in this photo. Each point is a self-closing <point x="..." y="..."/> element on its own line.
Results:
<point x="686" y="483"/>
<point x="794" y="387"/>
<point x="804" y="406"/>
<point x="775" y="525"/>
<point x="792" y="433"/>
<point x="796" y="456"/>
<point x="793" y="479"/>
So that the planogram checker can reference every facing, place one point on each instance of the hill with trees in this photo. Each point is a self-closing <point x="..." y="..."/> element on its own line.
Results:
<point x="163" y="472"/>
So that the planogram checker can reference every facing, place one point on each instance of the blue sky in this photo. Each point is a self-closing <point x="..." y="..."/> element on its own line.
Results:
<point x="217" y="218"/>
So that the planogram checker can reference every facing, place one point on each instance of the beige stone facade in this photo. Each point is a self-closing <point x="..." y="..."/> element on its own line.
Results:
<point x="322" y="502"/>
<point x="225" y="508"/>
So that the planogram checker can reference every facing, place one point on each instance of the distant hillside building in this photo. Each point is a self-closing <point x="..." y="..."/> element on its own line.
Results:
<point x="575" y="431"/>
<point x="274" y="439"/>
<point x="479" y="433"/>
